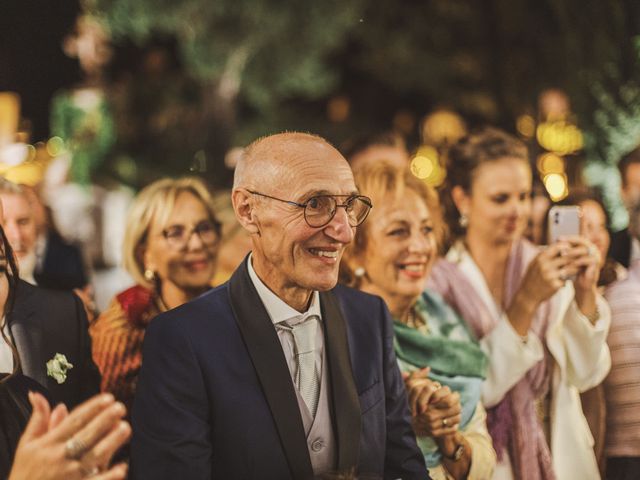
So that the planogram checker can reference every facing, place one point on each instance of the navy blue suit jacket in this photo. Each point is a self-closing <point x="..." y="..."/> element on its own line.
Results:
<point x="62" y="267"/>
<point x="215" y="397"/>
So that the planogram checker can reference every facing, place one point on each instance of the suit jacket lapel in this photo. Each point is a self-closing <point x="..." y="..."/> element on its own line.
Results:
<point x="346" y="405"/>
<point x="27" y="336"/>
<point x="271" y="367"/>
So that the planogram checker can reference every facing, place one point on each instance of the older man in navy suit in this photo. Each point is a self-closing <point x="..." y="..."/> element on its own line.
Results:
<point x="278" y="374"/>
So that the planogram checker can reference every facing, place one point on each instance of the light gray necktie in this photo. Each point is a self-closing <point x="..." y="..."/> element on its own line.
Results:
<point x="304" y="339"/>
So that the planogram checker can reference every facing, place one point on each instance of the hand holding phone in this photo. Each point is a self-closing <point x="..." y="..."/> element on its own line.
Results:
<point x="564" y="221"/>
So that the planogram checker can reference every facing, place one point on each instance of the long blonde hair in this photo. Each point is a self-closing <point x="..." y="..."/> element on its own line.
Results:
<point x="154" y="204"/>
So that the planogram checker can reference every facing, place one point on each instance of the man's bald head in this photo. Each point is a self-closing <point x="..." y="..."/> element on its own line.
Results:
<point x="274" y="178"/>
<point x="273" y="160"/>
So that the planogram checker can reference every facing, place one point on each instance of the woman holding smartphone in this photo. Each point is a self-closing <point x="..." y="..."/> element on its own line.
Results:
<point x="545" y="335"/>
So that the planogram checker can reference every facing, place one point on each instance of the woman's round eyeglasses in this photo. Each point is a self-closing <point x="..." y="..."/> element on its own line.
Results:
<point x="178" y="236"/>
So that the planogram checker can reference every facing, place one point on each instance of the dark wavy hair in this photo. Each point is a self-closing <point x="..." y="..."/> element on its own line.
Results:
<point x="12" y="279"/>
<point x="463" y="159"/>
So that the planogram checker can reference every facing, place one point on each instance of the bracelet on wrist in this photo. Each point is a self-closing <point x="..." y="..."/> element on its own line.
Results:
<point x="457" y="453"/>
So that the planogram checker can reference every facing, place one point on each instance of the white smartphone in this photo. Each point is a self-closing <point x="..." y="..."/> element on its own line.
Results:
<point x="564" y="220"/>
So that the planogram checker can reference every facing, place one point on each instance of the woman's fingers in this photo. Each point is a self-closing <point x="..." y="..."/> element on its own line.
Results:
<point x="419" y="395"/>
<point x="422" y="374"/>
<point x="117" y="472"/>
<point x="424" y="398"/>
<point x="100" y="455"/>
<point x="101" y="425"/>
<point x="39" y="421"/>
<point x="80" y="417"/>
<point x="444" y="397"/>
<point x="58" y="415"/>
<point x="445" y="425"/>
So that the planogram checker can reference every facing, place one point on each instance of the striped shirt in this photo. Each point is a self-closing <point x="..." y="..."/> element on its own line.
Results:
<point x="622" y="386"/>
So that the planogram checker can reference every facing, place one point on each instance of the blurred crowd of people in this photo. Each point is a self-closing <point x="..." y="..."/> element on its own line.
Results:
<point x="519" y="358"/>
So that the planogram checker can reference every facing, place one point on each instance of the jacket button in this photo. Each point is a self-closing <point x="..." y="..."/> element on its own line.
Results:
<point x="317" y="445"/>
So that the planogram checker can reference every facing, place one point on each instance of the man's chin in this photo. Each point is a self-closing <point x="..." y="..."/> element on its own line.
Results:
<point x="324" y="284"/>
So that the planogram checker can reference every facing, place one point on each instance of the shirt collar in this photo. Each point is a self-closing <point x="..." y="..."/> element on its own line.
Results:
<point x="278" y="310"/>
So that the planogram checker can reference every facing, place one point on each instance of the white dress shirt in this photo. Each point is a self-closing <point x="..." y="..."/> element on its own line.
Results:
<point x="279" y="311"/>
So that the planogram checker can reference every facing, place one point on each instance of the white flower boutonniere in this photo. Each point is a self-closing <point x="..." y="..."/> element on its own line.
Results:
<point x="58" y="367"/>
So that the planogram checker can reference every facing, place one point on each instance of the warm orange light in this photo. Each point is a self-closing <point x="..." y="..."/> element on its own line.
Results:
<point x="338" y="109"/>
<point x="559" y="137"/>
<point x="426" y="166"/>
<point x="443" y="127"/>
<point x="550" y="163"/>
<point x="526" y="126"/>
<point x="556" y="185"/>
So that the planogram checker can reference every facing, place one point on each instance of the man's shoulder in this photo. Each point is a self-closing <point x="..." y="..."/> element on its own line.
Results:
<point x="212" y="304"/>
<point x="358" y="303"/>
<point x="349" y="294"/>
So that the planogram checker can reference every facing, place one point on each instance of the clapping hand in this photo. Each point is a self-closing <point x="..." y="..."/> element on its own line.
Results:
<point x="58" y="445"/>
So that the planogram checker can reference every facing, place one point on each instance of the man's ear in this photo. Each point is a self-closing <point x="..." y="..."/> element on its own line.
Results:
<point x="460" y="199"/>
<point x="244" y="208"/>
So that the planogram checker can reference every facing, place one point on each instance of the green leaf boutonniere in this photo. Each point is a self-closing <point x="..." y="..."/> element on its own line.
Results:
<point x="58" y="367"/>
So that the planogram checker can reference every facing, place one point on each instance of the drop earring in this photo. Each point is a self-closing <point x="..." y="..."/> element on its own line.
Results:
<point x="150" y="275"/>
<point x="463" y="220"/>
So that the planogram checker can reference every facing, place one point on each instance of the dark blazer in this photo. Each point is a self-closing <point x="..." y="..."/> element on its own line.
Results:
<point x="215" y="398"/>
<point x="620" y="248"/>
<point x="45" y="322"/>
<point x="62" y="267"/>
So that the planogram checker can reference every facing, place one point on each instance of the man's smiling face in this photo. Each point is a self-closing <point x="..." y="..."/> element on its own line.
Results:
<point x="288" y="253"/>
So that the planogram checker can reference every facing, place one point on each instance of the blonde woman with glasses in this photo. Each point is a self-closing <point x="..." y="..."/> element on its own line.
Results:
<point x="170" y="249"/>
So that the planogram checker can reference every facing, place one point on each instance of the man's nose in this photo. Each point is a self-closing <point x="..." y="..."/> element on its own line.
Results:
<point x="339" y="228"/>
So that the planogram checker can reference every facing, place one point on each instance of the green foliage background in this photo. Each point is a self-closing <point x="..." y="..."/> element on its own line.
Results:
<point x="266" y="65"/>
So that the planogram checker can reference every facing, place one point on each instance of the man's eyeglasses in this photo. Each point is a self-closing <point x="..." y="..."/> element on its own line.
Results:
<point x="319" y="210"/>
<point x="178" y="236"/>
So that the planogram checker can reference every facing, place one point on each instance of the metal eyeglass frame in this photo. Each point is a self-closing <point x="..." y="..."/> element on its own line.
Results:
<point x="364" y="199"/>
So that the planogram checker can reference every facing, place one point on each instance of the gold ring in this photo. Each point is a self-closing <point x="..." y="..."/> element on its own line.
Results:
<point x="74" y="448"/>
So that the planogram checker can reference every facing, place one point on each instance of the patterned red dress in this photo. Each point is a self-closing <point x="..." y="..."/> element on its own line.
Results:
<point x="117" y="336"/>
